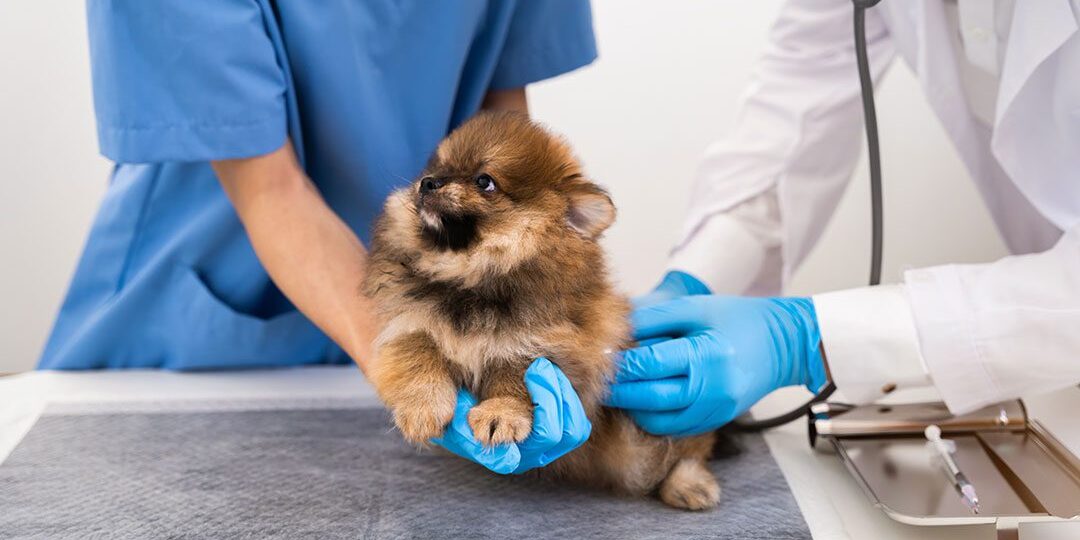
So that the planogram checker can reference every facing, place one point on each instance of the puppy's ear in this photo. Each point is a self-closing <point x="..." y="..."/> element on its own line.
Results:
<point x="591" y="210"/>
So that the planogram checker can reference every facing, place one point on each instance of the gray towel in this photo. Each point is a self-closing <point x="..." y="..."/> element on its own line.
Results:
<point x="331" y="473"/>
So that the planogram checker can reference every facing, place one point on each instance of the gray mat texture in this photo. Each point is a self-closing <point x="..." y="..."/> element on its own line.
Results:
<point x="339" y="473"/>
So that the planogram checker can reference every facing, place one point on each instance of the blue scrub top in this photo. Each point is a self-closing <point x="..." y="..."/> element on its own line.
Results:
<point x="364" y="88"/>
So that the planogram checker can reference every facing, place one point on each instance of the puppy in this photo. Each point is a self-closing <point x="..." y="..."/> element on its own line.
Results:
<point x="490" y="260"/>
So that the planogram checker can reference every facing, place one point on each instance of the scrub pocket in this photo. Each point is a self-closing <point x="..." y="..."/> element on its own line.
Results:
<point x="210" y="334"/>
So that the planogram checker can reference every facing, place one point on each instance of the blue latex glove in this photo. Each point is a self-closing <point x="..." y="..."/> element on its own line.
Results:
<point x="712" y="357"/>
<point x="559" y="425"/>
<point x="674" y="285"/>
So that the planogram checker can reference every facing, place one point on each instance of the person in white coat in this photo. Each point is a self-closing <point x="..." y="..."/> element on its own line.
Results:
<point x="1004" y="78"/>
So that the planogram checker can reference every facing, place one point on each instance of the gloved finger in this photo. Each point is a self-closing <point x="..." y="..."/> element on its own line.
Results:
<point x="675" y="283"/>
<point x="542" y="382"/>
<point x="663" y="422"/>
<point x="716" y="420"/>
<point x="651" y="299"/>
<point x="502" y="459"/>
<point x="652" y="341"/>
<point x="673" y="318"/>
<point x="670" y="358"/>
<point x="576" y="427"/>
<point x="458" y="439"/>
<point x="659" y="395"/>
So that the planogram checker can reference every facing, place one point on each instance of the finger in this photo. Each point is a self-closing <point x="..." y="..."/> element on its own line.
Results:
<point x="650" y="299"/>
<point x="541" y="380"/>
<point x="723" y="411"/>
<point x="673" y="318"/>
<point x="652" y="341"/>
<point x="465" y="401"/>
<point x="675" y="423"/>
<point x="659" y="395"/>
<point x="659" y="423"/>
<point x="453" y="438"/>
<point x="669" y="358"/>
<point x="576" y="425"/>
<point x="459" y="439"/>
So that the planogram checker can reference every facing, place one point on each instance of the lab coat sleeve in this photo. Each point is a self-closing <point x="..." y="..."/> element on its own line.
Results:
<point x="185" y="80"/>
<point x="545" y="39"/>
<point x="986" y="332"/>
<point x="764" y="193"/>
<point x="870" y="342"/>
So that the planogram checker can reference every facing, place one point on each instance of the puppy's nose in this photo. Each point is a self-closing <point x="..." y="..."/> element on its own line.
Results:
<point x="428" y="185"/>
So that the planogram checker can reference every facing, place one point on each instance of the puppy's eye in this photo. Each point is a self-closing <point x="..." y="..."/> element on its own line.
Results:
<point x="485" y="183"/>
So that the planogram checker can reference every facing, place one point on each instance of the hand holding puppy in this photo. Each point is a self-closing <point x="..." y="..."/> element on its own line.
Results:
<point x="705" y="359"/>
<point x="559" y="425"/>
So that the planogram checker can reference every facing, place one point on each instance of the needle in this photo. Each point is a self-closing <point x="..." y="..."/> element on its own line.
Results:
<point x="959" y="481"/>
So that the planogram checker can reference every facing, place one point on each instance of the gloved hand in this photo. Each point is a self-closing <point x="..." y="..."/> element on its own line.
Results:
<point x="559" y="425"/>
<point x="674" y="285"/>
<point x="722" y="355"/>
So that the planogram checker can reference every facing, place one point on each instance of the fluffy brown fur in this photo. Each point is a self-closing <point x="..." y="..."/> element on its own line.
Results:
<point x="490" y="260"/>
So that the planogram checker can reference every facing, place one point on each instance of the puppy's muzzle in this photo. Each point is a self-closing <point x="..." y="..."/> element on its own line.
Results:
<point x="440" y="196"/>
<point x="429" y="185"/>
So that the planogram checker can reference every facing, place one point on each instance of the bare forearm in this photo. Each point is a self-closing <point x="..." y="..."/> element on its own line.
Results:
<point x="310" y="253"/>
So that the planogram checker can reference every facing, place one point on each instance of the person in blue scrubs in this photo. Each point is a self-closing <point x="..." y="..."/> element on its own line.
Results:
<point x="255" y="142"/>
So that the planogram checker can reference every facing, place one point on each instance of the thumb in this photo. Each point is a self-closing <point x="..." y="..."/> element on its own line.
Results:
<point x="671" y="318"/>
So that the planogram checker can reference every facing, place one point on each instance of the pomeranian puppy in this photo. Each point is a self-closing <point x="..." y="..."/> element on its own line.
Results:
<point x="489" y="260"/>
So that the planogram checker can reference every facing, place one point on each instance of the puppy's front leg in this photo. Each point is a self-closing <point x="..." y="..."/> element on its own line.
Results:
<point x="413" y="378"/>
<point x="505" y="412"/>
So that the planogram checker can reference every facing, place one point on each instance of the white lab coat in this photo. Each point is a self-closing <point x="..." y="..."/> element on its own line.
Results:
<point x="979" y="333"/>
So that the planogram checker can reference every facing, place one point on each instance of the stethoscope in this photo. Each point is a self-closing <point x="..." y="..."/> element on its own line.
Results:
<point x="866" y="86"/>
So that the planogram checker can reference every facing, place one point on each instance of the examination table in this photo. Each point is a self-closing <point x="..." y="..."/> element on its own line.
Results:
<point x="309" y="452"/>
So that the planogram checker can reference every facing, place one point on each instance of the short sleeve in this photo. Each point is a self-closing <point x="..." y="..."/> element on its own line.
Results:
<point x="545" y="39"/>
<point x="185" y="80"/>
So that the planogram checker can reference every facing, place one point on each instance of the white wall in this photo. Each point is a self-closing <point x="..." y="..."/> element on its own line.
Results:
<point x="665" y="86"/>
<point x="51" y="177"/>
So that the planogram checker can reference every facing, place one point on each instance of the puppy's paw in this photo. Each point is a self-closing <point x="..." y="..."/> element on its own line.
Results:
<point x="425" y="416"/>
<point x="690" y="486"/>
<point x="501" y="420"/>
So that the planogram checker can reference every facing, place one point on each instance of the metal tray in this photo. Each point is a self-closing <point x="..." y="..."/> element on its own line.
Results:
<point x="1021" y="472"/>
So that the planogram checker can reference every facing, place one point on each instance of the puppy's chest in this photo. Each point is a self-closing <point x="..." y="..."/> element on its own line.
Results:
<point x="475" y="354"/>
<point x="477" y="332"/>
<point x="490" y="327"/>
<point x="470" y="311"/>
